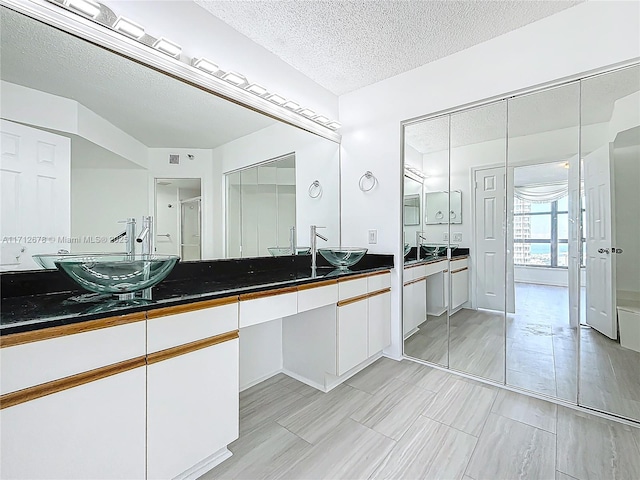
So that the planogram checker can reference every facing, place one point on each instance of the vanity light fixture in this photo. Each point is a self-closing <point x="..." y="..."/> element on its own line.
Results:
<point x="307" y="112"/>
<point x="291" y="105"/>
<point x="256" y="89"/>
<point x="321" y="119"/>
<point x="165" y="46"/>
<point x="235" y="79"/>
<point x="277" y="99"/>
<point x="89" y="7"/>
<point x="103" y="15"/>
<point x="129" y="28"/>
<point x="205" y="65"/>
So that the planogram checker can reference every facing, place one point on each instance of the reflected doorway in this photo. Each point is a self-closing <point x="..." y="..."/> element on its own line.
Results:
<point x="178" y="217"/>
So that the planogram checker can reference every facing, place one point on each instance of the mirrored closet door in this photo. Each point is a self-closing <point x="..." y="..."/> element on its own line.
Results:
<point x="542" y="203"/>
<point x="610" y="318"/>
<point x="525" y="269"/>
<point x="426" y="267"/>
<point x="476" y="318"/>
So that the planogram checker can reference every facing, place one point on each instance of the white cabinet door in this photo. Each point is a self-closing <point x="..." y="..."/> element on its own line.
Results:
<point x="415" y="305"/>
<point x="459" y="288"/>
<point x="95" y="430"/>
<point x="192" y="408"/>
<point x="352" y="335"/>
<point x="379" y="322"/>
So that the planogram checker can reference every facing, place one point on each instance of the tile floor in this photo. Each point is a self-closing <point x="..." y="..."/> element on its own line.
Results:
<point x="541" y="351"/>
<point x="404" y="420"/>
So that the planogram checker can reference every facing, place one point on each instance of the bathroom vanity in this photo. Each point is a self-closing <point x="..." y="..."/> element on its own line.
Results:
<point x="150" y="389"/>
<point x="426" y="289"/>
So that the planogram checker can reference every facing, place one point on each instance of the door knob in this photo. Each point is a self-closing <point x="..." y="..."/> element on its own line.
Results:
<point x="617" y="250"/>
<point x="603" y="250"/>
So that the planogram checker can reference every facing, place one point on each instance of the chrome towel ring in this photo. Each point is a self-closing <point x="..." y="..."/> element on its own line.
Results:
<point x="316" y="188"/>
<point x="370" y="177"/>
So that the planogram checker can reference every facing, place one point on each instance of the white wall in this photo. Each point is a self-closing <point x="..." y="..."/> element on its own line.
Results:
<point x="100" y="198"/>
<point x="202" y="35"/>
<point x="43" y="110"/>
<point x="579" y="39"/>
<point x="626" y="167"/>
<point x="316" y="159"/>
<point x="260" y="352"/>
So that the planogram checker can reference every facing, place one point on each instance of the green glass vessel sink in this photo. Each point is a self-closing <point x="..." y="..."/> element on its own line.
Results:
<point x="436" y="249"/>
<point x="342" y="257"/>
<point x="47" y="260"/>
<point x="118" y="274"/>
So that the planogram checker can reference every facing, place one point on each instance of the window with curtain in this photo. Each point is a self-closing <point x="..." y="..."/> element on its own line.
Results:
<point x="541" y="232"/>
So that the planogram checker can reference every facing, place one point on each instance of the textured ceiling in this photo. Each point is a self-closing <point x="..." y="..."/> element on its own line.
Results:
<point x="157" y="110"/>
<point x="545" y="111"/>
<point x="345" y="45"/>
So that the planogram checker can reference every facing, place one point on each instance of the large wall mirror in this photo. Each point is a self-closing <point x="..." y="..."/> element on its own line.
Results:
<point x="90" y="138"/>
<point x="548" y="186"/>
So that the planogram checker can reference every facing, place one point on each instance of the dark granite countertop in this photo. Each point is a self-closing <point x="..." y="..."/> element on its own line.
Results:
<point x="42" y="299"/>
<point x="410" y="259"/>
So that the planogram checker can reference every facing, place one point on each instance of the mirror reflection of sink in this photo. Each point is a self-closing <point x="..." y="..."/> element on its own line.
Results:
<point x="47" y="260"/>
<point x="342" y="257"/>
<point x="118" y="274"/>
<point x="436" y="249"/>
<point x="284" y="251"/>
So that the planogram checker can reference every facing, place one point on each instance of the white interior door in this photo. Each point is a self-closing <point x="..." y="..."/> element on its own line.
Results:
<point x="490" y="190"/>
<point x="600" y="262"/>
<point x="35" y="174"/>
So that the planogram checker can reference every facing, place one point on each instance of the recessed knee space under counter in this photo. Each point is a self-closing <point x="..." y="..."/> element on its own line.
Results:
<point x="159" y="388"/>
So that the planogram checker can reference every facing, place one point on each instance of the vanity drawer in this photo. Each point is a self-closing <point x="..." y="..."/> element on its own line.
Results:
<point x="352" y="288"/>
<point x="34" y="358"/>
<point x="435" y="267"/>
<point x="378" y="281"/>
<point x="262" y="307"/>
<point x="173" y="326"/>
<point x="459" y="264"/>
<point x="316" y="295"/>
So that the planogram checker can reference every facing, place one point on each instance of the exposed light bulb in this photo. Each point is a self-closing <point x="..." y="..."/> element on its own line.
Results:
<point x="129" y="28"/>
<point x="165" y="46"/>
<point x="88" y="7"/>
<point x="205" y="65"/>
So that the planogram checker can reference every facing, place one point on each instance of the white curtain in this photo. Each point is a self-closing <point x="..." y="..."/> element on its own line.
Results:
<point x="542" y="193"/>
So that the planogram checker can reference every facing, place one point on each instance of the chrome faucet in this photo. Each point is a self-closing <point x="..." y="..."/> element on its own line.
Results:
<point x="314" y="245"/>
<point x="129" y="233"/>
<point x="292" y="240"/>
<point x="419" y="238"/>
<point x="146" y="236"/>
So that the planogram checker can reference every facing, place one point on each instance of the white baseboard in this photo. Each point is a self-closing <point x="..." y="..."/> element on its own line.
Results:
<point x="259" y="380"/>
<point x="331" y="381"/>
<point x="304" y="380"/>
<point x="411" y="332"/>
<point x="205" y="465"/>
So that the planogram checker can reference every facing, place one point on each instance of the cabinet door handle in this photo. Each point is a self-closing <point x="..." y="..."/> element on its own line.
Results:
<point x="603" y="250"/>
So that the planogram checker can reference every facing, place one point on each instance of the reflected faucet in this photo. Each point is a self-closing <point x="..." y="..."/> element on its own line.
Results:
<point x="419" y="238"/>
<point x="146" y="236"/>
<point x="314" y="245"/>
<point x="292" y="240"/>
<point x="129" y="233"/>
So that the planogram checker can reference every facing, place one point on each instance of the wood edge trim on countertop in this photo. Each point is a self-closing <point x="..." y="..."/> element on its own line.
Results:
<point x="267" y="293"/>
<point x="190" y="307"/>
<point x="422" y="264"/>
<point x="171" y="352"/>
<point x="324" y="283"/>
<point x="55" y="386"/>
<point x="460" y="270"/>
<point x="363" y="275"/>
<point x="359" y="298"/>
<point x="21" y="338"/>
<point x="379" y="292"/>
<point x="416" y="280"/>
